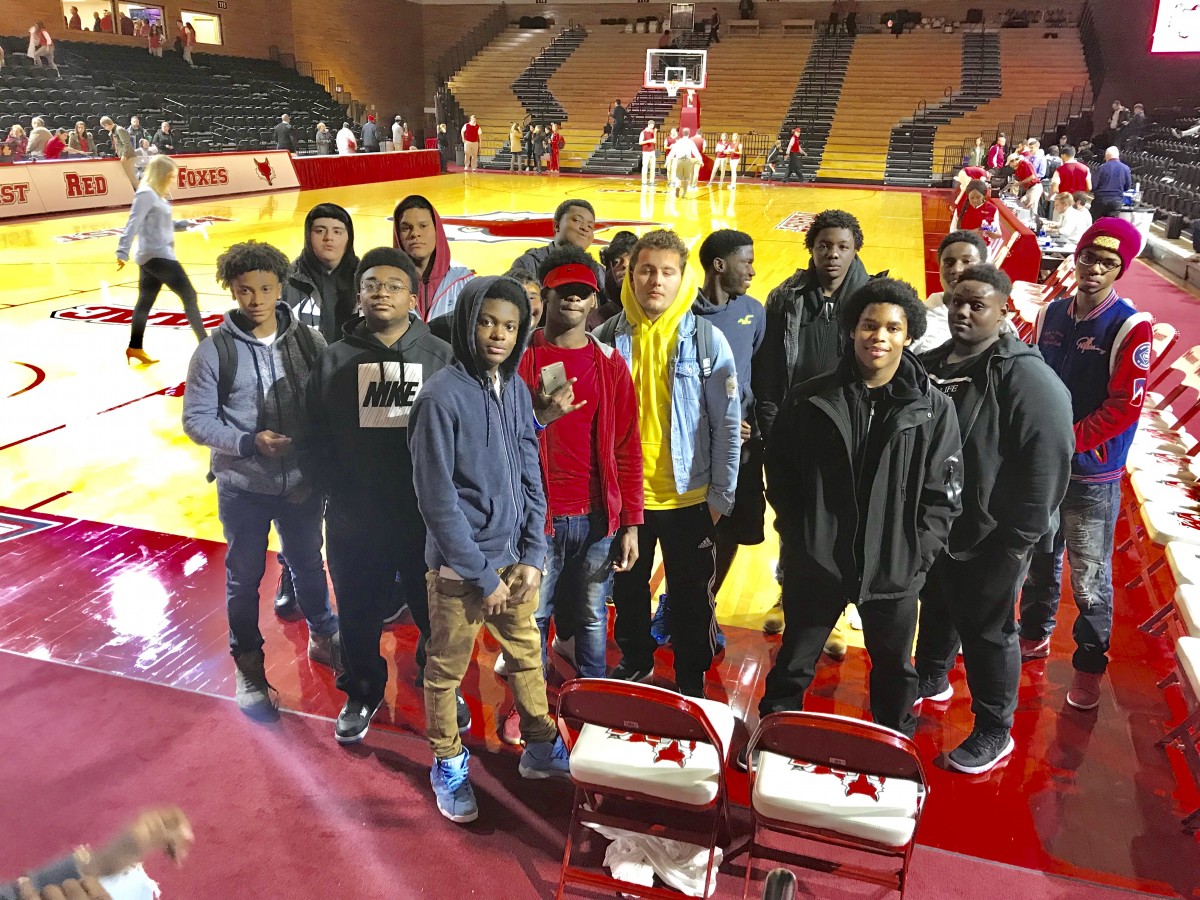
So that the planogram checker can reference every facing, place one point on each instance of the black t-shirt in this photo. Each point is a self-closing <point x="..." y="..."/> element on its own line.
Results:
<point x="964" y="380"/>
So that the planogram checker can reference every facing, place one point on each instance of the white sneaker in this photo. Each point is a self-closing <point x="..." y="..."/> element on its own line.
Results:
<point x="564" y="648"/>
<point x="853" y="619"/>
<point x="501" y="666"/>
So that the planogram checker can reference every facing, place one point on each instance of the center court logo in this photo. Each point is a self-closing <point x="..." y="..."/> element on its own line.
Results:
<point x="110" y="314"/>
<point x="798" y="222"/>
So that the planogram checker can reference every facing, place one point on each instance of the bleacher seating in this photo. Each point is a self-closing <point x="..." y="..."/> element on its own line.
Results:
<point x="885" y="81"/>
<point x="1060" y="68"/>
<point x="482" y="86"/>
<point x="225" y="103"/>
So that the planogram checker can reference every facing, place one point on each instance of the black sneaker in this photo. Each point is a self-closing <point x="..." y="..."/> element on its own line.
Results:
<point x="981" y="752"/>
<point x="286" y="606"/>
<point x="255" y="695"/>
<point x="463" y="711"/>
<point x="626" y="671"/>
<point x="935" y="691"/>
<point x="742" y="761"/>
<point x="354" y="720"/>
<point x="398" y="604"/>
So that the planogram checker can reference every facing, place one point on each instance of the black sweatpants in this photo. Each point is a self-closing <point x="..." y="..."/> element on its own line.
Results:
<point x="975" y="601"/>
<point x="687" y="539"/>
<point x="888" y="629"/>
<point x="154" y="273"/>
<point x="794" y="164"/>
<point x="367" y="546"/>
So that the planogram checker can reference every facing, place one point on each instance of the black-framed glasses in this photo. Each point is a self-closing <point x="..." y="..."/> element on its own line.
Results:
<point x="371" y="286"/>
<point x="1088" y="259"/>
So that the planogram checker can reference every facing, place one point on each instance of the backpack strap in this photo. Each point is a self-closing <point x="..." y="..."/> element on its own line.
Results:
<point x="607" y="332"/>
<point x="308" y="349"/>
<point x="227" y="365"/>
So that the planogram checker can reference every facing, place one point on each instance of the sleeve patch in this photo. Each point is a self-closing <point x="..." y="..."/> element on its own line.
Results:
<point x="731" y="387"/>
<point x="1141" y="356"/>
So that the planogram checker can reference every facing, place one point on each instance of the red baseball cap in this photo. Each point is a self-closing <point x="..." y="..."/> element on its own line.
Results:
<point x="571" y="273"/>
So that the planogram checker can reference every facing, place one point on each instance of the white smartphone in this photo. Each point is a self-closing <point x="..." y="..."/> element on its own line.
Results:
<point x="554" y="377"/>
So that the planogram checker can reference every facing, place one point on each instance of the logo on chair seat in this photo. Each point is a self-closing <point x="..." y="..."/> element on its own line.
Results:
<point x="852" y="782"/>
<point x="664" y="749"/>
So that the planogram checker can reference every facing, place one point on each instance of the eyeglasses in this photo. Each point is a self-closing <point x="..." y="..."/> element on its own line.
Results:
<point x="1087" y="259"/>
<point x="371" y="286"/>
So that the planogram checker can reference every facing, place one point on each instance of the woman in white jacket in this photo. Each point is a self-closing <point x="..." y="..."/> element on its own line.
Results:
<point x="150" y="222"/>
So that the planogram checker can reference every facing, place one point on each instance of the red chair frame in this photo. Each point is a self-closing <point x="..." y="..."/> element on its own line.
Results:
<point x="837" y="741"/>
<point x="629" y="706"/>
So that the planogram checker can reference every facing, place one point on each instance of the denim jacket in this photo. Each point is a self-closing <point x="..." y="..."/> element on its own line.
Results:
<point x="705" y="411"/>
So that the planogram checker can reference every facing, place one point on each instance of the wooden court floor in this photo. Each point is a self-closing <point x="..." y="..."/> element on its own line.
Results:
<point x="132" y="466"/>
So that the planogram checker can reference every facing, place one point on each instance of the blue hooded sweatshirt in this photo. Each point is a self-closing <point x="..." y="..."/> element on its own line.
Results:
<point x="475" y="453"/>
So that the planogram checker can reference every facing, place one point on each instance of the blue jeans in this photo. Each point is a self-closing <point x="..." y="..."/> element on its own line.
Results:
<point x="1089" y="519"/>
<point x="246" y="518"/>
<point x="579" y="573"/>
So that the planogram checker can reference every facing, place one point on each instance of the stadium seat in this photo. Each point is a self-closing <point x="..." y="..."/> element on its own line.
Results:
<point x="1186" y="735"/>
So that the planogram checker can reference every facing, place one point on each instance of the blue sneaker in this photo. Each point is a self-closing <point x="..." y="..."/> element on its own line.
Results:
<point x="720" y="640"/>
<point x="455" y="799"/>
<point x="659" y="629"/>
<point x="545" y="760"/>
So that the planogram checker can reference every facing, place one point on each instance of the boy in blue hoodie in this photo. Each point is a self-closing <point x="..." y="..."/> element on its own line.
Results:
<point x="479" y="488"/>
<point x="244" y="400"/>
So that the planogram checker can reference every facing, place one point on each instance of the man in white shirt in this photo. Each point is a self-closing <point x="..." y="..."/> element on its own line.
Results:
<point x="685" y="156"/>
<point x="397" y="134"/>
<point x="958" y="251"/>
<point x="346" y="144"/>
<point x="1071" y="216"/>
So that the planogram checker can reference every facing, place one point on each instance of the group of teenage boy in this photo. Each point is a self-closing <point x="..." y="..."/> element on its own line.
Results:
<point x="525" y="469"/>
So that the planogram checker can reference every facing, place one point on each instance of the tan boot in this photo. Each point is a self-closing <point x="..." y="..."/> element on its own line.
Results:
<point x="773" y="623"/>
<point x="835" y="645"/>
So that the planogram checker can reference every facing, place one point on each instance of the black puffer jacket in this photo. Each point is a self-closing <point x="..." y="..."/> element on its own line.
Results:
<point x="1018" y="442"/>
<point x="914" y="491"/>
<point x="804" y="336"/>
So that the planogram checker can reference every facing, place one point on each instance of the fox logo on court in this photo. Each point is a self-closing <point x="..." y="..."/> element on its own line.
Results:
<point x="14" y="194"/>
<point x="264" y="171"/>
<point x="385" y="398"/>
<point x="663" y="749"/>
<point x="85" y="185"/>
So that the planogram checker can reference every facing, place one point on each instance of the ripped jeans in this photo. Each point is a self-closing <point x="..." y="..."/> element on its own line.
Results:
<point x="1089" y="518"/>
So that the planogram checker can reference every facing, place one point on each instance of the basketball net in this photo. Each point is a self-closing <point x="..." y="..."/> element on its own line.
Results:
<point x="672" y="88"/>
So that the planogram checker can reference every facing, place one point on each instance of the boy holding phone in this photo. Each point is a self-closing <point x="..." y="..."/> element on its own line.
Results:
<point x="591" y="456"/>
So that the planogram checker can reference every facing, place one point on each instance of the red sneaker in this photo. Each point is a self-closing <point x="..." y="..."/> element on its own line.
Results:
<point x="1035" y="649"/>
<point x="1085" y="691"/>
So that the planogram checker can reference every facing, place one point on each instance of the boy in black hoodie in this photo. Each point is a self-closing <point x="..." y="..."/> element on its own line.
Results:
<point x="1015" y="417"/>
<point x="358" y="401"/>
<point x="478" y="482"/>
<point x="864" y="472"/>
<point x="805" y="336"/>
<point x="321" y="286"/>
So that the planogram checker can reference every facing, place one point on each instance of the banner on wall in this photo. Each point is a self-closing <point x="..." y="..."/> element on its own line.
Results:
<point x="58" y="186"/>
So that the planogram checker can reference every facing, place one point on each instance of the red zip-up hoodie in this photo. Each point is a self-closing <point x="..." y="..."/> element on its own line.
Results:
<point x="617" y="433"/>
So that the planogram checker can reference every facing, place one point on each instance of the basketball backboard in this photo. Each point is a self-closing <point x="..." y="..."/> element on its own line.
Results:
<point x="676" y="70"/>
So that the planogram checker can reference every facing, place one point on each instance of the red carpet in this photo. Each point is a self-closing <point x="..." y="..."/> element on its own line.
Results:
<point x="279" y="811"/>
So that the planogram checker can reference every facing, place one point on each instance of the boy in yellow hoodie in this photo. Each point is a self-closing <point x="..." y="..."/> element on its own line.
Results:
<point x="689" y="416"/>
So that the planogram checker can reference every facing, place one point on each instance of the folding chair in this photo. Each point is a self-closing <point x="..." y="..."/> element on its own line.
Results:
<point x="648" y="760"/>
<point x="837" y="781"/>
<point x="1186" y="734"/>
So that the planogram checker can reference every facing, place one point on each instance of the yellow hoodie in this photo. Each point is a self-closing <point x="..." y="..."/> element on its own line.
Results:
<point x="654" y="345"/>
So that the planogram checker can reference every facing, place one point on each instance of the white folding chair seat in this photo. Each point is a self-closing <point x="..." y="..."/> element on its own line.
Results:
<point x="678" y="771"/>
<point x="874" y="809"/>
<point x="1184" y="560"/>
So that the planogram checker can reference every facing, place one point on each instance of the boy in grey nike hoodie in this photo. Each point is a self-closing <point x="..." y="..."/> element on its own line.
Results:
<point x="244" y="401"/>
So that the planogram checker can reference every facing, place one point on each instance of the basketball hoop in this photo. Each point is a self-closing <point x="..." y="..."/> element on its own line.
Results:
<point x="672" y="88"/>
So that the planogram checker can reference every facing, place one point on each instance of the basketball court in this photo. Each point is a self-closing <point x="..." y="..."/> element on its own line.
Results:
<point x="112" y="555"/>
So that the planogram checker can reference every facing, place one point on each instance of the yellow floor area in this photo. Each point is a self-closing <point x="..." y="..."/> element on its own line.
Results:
<point x="131" y="465"/>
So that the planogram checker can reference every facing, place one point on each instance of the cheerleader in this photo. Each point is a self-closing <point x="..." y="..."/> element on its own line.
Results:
<point x="556" y="142"/>
<point x="734" y="148"/>
<point x="720" y="159"/>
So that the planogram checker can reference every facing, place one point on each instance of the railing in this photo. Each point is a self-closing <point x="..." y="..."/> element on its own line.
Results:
<point x="1039" y="122"/>
<point x="470" y="44"/>
<point x="1092" y="55"/>
<point x="824" y="58"/>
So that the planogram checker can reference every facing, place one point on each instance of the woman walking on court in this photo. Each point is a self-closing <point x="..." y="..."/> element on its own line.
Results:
<point x="150" y="221"/>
